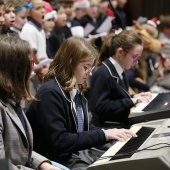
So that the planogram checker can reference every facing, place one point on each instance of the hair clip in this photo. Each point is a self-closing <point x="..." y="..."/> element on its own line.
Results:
<point x="28" y="6"/>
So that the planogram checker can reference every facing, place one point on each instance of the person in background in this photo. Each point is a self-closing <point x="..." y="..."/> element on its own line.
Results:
<point x="57" y="35"/>
<point x="110" y="99"/>
<point x="9" y="16"/>
<point x="120" y="9"/>
<point x="59" y="118"/>
<point x="21" y="13"/>
<point x="80" y="9"/>
<point x="1" y="14"/>
<point x="15" y="131"/>
<point x="164" y="35"/>
<point x="91" y="20"/>
<point x="33" y="32"/>
<point x="69" y="9"/>
<point x="109" y="10"/>
<point x="49" y="23"/>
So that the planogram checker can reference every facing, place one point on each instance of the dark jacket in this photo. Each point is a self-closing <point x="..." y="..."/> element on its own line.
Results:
<point x="54" y="124"/>
<point x="110" y="100"/>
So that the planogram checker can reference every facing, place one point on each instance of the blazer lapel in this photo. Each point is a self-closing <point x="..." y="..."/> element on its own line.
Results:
<point x="29" y="131"/>
<point x="10" y="111"/>
<point x="114" y="74"/>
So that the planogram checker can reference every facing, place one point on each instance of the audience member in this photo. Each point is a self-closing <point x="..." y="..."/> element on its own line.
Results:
<point x="57" y="36"/>
<point x="33" y="33"/>
<point x="1" y="14"/>
<point x="120" y="9"/>
<point x="21" y="13"/>
<point x="80" y="9"/>
<point x="15" y="132"/>
<point x="9" y="16"/>
<point x="164" y="35"/>
<point x="49" y="23"/>
<point x="68" y="6"/>
<point x="90" y="20"/>
<point x="110" y="99"/>
<point x="60" y="116"/>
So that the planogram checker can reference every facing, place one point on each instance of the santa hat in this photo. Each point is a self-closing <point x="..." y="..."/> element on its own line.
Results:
<point x="49" y="12"/>
<point x="81" y="4"/>
<point x="154" y="22"/>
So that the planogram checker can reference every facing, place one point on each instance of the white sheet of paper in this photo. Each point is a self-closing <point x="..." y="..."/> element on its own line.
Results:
<point x="98" y="35"/>
<point x="106" y="25"/>
<point x="88" y="29"/>
<point x="77" y="31"/>
<point x="43" y="63"/>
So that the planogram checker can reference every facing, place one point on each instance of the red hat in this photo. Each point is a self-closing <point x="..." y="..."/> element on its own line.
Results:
<point x="49" y="12"/>
<point x="154" y="22"/>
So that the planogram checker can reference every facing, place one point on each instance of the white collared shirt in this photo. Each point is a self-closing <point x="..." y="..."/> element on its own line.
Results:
<point x="73" y="93"/>
<point x="119" y="70"/>
<point x="118" y="67"/>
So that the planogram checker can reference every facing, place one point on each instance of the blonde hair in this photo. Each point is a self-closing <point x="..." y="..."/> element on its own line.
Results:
<point x="72" y="52"/>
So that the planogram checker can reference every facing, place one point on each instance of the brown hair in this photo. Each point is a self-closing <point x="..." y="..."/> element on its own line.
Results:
<point x="19" y="3"/>
<point x="15" y="68"/>
<point x="165" y="21"/>
<point x="127" y="39"/>
<point x="72" y="52"/>
<point x="8" y="4"/>
<point x="1" y="2"/>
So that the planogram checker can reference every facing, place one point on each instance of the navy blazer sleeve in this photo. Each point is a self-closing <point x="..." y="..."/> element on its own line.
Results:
<point x="108" y="100"/>
<point x="55" y="123"/>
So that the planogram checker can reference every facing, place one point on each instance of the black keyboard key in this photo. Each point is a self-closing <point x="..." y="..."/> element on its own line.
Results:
<point x="133" y="144"/>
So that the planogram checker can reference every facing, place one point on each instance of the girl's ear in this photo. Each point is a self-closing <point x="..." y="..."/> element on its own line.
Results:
<point x="120" y="51"/>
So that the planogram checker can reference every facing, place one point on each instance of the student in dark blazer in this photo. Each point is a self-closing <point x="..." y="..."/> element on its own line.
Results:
<point x="60" y="122"/>
<point x="16" y="138"/>
<point x="110" y="99"/>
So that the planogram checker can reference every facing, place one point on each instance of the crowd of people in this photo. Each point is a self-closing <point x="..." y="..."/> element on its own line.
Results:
<point x="66" y="70"/>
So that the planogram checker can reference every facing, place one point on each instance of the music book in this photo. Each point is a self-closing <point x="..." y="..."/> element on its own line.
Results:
<point x="106" y="25"/>
<point x="42" y="63"/>
<point x="88" y="29"/>
<point x="97" y="35"/>
<point x="77" y="31"/>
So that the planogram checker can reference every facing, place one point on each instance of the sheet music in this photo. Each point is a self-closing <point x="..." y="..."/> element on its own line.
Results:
<point x="97" y="35"/>
<point x="43" y="63"/>
<point x="106" y="25"/>
<point x="77" y="31"/>
<point x="142" y="105"/>
<point x="88" y="29"/>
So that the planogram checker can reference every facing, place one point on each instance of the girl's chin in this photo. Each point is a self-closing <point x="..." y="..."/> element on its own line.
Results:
<point x="82" y="82"/>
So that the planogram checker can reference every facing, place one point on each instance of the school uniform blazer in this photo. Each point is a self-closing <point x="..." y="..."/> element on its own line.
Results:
<point x="110" y="100"/>
<point x="14" y="144"/>
<point x="54" y="124"/>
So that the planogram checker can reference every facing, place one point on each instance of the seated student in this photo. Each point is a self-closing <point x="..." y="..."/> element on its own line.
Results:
<point x="49" y="23"/>
<point x="59" y="118"/>
<point x="164" y="35"/>
<point x="33" y="32"/>
<point x="68" y="6"/>
<point x="16" y="139"/>
<point x="9" y="16"/>
<point x="110" y="99"/>
<point x="1" y="14"/>
<point x="93" y="20"/>
<point x="57" y="36"/>
<point x="21" y="12"/>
